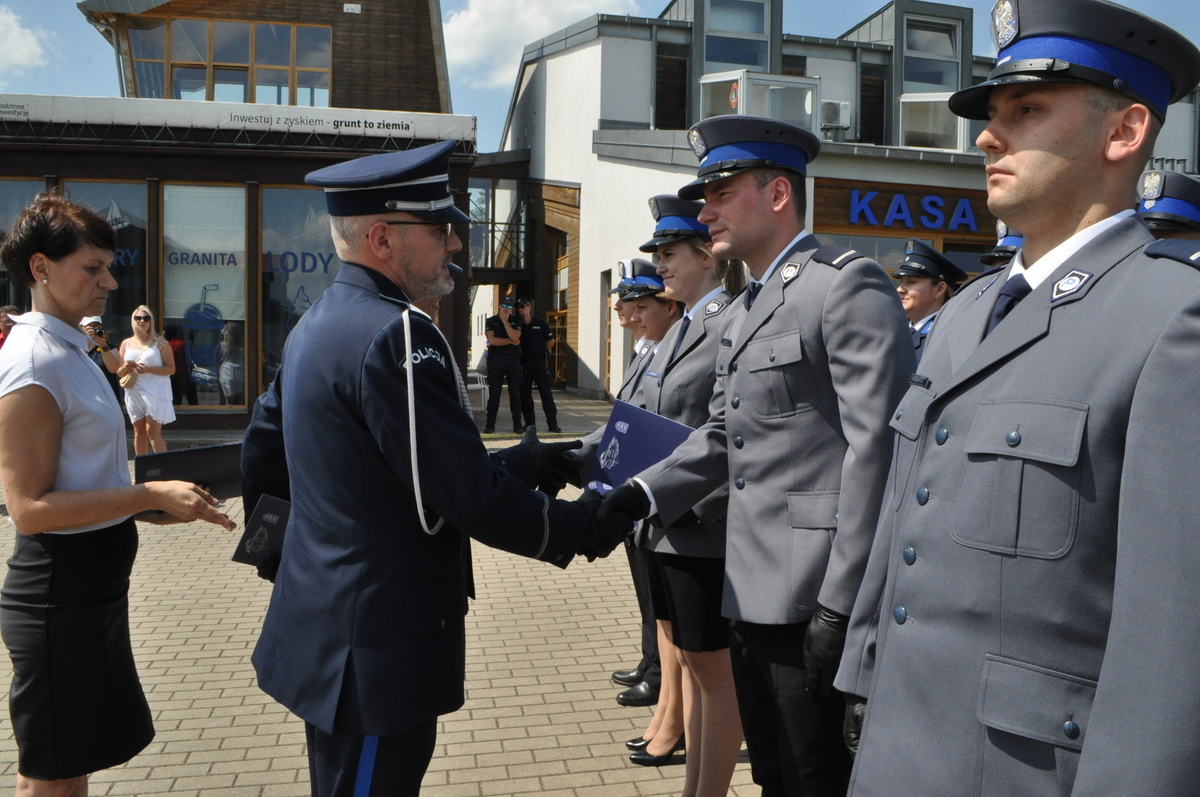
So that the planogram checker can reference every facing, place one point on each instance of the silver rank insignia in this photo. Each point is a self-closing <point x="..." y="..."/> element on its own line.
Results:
<point x="712" y="308"/>
<point x="696" y="139"/>
<point x="1070" y="284"/>
<point x="1151" y="185"/>
<point x="1004" y="23"/>
<point x="789" y="272"/>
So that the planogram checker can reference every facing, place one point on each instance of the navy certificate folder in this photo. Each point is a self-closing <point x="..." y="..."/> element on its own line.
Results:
<point x="217" y="468"/>
<point x="263" y="537"/>
<point x="634" y="440"/>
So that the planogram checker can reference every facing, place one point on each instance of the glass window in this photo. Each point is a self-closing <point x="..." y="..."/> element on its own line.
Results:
<point x="928" y="123"/>
<point x="204" y="285"/>
<point x="148" y="37"/>
<point x="124" y="205"/>
<point x="931" y="38"/>
<point x="312" y="89"/>
<point x="231" y="42"/>
<point x="928" y="75"/>
<point x="723" y="52"/>
<point x="230" y="85"/>
<point x="737" y="16"/>
<point x="150" y="79"/>
<point x="930" y="56"/>
<point x="189" y="40"/>
<point x="272" y="44"/>
<point x="271" y="86"/>
<point x="887" y="252"/>
<point x="718" y="97"/>
<point x="298" y="264"/>
<point x="313" y="47"/>
<point x="188" y="83"/>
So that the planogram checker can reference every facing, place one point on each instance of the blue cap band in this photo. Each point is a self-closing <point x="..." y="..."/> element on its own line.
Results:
<point x="655" y="282"/>
<point x="1015" y="241"/>
<point x="680" y="223"/>
<point x="1175" y="207"/>
<point x="1144" y="78"/>
<point x="784" y="155"/>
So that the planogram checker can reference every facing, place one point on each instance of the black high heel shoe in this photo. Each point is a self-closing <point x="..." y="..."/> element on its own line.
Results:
<point x="646" y="759"/>
<point x="637" y="744"/>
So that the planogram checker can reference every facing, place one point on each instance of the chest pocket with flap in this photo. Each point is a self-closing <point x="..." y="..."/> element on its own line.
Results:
<point x="778" y="379"/>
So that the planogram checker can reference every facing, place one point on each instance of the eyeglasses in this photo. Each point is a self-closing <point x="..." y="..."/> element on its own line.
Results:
<point x="141" y="318"/>
<point x="444" y="227"/>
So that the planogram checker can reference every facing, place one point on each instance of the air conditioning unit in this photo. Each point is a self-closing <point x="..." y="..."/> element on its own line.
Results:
<point x="835" y="113"/>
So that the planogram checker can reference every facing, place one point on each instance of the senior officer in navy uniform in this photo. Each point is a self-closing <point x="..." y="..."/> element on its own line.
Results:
<point x="364" y="635"/>
<point x="1026" y="625"/>
<point x="927" y="281"/>
<point x="1170" y="204"/>
<point x="811" y="363"/>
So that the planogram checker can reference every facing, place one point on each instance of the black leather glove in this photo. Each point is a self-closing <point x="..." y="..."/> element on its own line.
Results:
<point x="856" y="711"/>
<point x="604" y="534"/>
<point x="574" y="461"/>
<point x="823" y="644"/>
<point x="270" y="568"/>
<point x="539" y="465"/>
<point x="627" y="501"/>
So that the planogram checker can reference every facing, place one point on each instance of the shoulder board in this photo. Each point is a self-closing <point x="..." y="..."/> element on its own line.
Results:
<point x="835" y="256"/>
<point x="985" y="273"/>
<point x="1183" y="250"/>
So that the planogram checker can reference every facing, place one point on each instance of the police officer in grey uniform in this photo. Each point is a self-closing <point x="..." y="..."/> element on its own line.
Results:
<point x="811" y="363"/>
<point x="1170" y="204"/>
<point x="364" y="637"/>
<point x="1026" y="624"/>
<point x="927" y="281"/>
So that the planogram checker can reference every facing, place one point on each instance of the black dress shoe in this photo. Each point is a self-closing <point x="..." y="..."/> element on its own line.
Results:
<point x="637" y="744"/>
<point x="641" y="695"/>
<point x="554" y="427"/>
<point x="629" y="677"/>
<point x="644" y="758"/>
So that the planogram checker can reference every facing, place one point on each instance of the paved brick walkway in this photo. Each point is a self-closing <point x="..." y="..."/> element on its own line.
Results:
<point x="540" y="717"/>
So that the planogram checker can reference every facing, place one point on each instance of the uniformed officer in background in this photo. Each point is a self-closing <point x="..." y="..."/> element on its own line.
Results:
<point x="1027" y="621"/>
<point x="503" y="333"/>
<point x="811" y="364"/>
<point x="537" y="339"/>
<point x="367" y="429"/>
<point x="1008" y="242"/>
<point x="1170" y="204"/>
<point x="927" y="281"/>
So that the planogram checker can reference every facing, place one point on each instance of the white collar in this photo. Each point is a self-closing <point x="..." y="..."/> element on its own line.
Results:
<point x="708" y="297"/>
<point x="55" y="326"/>
<point x="778" y="258"/>
<point x="1040" y="271"/>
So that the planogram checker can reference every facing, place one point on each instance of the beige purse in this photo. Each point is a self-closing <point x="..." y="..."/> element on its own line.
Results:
<point x="129" y="379"/>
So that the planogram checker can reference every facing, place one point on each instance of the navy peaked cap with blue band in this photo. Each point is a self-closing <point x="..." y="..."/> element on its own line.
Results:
<point x="729" y="145"/>
<point x="675" y="220"/>
<point x="1085" y="41"/>
<point x="1169" y="200"/>
<point x="646" y="281"/>
<point x="415" y="181"/>
<point x="922" y="260"/>
<point x="1008" y="243"/>
<point x="631" y="272"/>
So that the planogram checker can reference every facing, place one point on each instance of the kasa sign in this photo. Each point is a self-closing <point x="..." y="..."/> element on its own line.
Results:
<point x="930" y="212"/>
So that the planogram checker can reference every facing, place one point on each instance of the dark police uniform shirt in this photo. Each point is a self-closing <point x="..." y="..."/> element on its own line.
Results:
<point x="365" y="629"/>
<point x="494" y="325"/>
<point x="534" y="336"/>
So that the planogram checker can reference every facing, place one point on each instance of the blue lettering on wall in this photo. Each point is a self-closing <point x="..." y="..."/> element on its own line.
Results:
<point x="125" y="257"/>
<point x="862" y="205"/>
<point x="898" y="211"/>
<point x="202" y="258"/>
<point x="933" y="218"/>
<point x="304" y="262"/>
<point x="963" y="215"/>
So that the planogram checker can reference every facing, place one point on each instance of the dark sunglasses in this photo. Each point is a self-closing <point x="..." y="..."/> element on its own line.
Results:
<point x="141" y="318"/>
<point x="444" y="227"/>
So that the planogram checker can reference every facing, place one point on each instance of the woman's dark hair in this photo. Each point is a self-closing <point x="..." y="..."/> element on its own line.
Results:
<point x="56" y="227"/>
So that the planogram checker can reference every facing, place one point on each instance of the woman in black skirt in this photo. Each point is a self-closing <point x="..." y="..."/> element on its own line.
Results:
<point x="76" y="703"/>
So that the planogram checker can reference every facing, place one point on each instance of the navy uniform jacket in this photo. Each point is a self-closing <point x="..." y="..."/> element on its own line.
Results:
<point x="798" y="425"/>
<point x="1027" y="621"/>
<point x="679" y="388"/>
<point x="534" y="337"/>
<point x="364" y="631"/>
<point x="919" y="336"/>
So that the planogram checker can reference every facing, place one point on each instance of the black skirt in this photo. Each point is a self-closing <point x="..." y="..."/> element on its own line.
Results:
<point x="76" y="703"/>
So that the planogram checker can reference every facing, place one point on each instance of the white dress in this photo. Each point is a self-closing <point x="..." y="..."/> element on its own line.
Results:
<point x="151" y="393"/>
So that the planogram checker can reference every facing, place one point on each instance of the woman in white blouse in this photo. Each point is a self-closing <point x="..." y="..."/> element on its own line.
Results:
<point x="76" y="703"/>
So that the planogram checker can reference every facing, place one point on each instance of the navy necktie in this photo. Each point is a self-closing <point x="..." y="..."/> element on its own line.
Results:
<point x="1013" y="291"/>
<point x="752" y="293"/>
<point x="683" y="328"/>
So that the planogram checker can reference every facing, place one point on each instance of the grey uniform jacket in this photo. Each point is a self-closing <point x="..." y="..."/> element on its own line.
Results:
<point x="806" y="382"/>
<point x="679" y="388"/>
<point x="1026" y="625"/>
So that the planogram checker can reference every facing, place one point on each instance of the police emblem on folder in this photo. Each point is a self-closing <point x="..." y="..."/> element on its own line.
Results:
<point x="634" y="440"/>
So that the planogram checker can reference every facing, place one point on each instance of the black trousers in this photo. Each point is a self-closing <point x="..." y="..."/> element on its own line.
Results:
<point x="639" y="569"/>
<point x="345" y="764"/>
<point x="536" y="371"/>
<point x="794" y="739"/>
<point x="500" y="368"/>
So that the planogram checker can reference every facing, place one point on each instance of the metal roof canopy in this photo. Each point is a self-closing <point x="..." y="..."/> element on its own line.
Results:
<point x="120" y="6"/>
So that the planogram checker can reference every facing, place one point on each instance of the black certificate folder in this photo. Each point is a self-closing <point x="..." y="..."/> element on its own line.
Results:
<point x="218" y="468"/>
<point x="263" y="537"/>
<point x="634" y="440"/>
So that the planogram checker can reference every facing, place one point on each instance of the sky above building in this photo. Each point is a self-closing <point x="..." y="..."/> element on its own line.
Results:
<point x="47" y="46"/>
